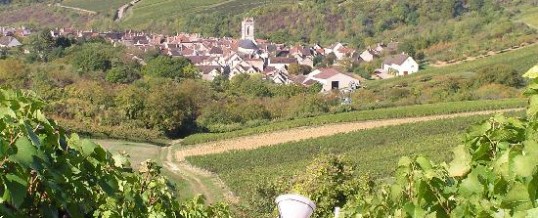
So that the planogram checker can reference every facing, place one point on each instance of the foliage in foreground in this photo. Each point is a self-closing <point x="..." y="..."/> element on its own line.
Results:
<point x="493" y="174"/>
<point x="44" y="173"/>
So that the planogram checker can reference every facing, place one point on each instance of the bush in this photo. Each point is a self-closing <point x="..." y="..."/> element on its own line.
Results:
<point x="495" y="91"/>
<point x="500" y="74"/>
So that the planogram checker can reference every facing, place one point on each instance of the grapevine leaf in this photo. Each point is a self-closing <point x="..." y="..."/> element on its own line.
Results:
<point x="121" y="160"/>
<point x="404" y="162"/>
<point x="25" y="152"/>
<point x="6" y="111"/>
<point x="501" y="164"/>
<point x="32" y="135"/>
<point x="531" y="148"/>
<point x="532" y="73"/>
<point x="424" y="163"/>
<point x="16" y="188"/>
<point x="87" y="147"/>
<point x="524" y="165"/>
<point x="517" y="198"/>
<point x="414" y="211"/>
<point x="471" y="186"/>
<point x="533" y="106"/>
<point x="532" y="213"/>
<point x="461" y="163"/>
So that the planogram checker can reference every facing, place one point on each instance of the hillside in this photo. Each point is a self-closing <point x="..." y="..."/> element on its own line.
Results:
<point x="459" y="28"/>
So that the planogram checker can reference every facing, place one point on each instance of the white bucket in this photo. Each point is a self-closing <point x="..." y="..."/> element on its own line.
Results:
<point x="294" y="206"/>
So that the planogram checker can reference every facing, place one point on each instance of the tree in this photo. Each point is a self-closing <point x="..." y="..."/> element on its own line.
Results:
<point x="167" y="108"/>
<point x="42" y="44"/>
<point x="299" y="69"/>
<point x="123" y="74"/>
<point x="168" y="67"/>
<point x="92" y="57"/>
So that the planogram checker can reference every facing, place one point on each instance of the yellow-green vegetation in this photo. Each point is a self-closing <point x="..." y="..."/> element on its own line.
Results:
<point x="372" y="151"/>
<point x="530" y="17"/>
<point x="138" y="152"/>
<point x="385" y="113"/>
<point x="100" y="6"/>
<point x="520" y="60"/>
<point x="48" y="173"/>
<point x="162" y="13"/>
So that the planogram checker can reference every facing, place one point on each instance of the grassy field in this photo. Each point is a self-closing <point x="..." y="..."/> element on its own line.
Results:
<point x="521" y="60"/>
<point x="100" y="6"/>
<point x="387" y="113"/>
<point x="374" y="151"/>
<point x="530" y="17"/>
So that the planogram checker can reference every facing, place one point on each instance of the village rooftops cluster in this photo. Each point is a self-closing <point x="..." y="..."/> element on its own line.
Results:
<point x="229" y="57"/>
<point x="8" y="36"/>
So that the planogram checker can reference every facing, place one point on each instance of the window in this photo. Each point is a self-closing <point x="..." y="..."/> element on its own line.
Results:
<point x="335" y="85"/>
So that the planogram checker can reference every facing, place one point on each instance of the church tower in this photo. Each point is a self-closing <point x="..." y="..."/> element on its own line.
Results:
<point x="247" y="29"/>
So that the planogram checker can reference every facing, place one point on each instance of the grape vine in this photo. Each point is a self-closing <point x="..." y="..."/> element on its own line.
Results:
<point x="45" y="173"/>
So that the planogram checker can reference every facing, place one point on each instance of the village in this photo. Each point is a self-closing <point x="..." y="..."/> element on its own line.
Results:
<point x="229" y="57"/>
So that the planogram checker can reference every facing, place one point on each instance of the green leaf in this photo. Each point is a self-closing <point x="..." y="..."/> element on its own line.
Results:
<point x="32" y="135"/>
<point x="87" y="147"/>
<point x="461" y="163"/>
<point x="532" y="73"/>
<point x="471" y="186"/>
<point x="25" y="152"/>
<point x="424" y="163"/>
<point x="532" y="213"/>
<point x="15" y="190"/>
<point x="533" y="106"/>
<point x="404" y="162"/>
<point x="517" y="198"/>
<point x="524" y="165"/>
<point x="121" y="160"/>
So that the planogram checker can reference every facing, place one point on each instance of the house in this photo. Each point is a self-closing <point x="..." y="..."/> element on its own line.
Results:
<point x="332" y="78"/>
<point x="281" y="63"/>
<point x="368" y="55"/>
<point x="210" y="72"/>
<point x="341" y="51"/>
<point x="9" y="42"/>
<point x="400" y="64"/>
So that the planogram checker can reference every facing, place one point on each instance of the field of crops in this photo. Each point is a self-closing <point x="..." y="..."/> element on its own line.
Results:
<point x="387" y="113"/>
<point x="374" y="151"/>
<point x="100" y="6"/>
<point x="521" y="60"/>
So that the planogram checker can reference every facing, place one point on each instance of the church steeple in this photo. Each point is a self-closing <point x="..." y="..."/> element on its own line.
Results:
<point x="247" y="29"/>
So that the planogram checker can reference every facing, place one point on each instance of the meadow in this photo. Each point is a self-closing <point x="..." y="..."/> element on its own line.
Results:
<point x="386" y="113"/>
<point x="374" y="152"/>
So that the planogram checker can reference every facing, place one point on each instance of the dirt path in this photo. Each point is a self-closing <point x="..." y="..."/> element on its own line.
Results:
<point x="76" y="9"/>
<point x="120" y="13"/>
<point x="279" y="137"/>
<point x="200" y="181"/>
